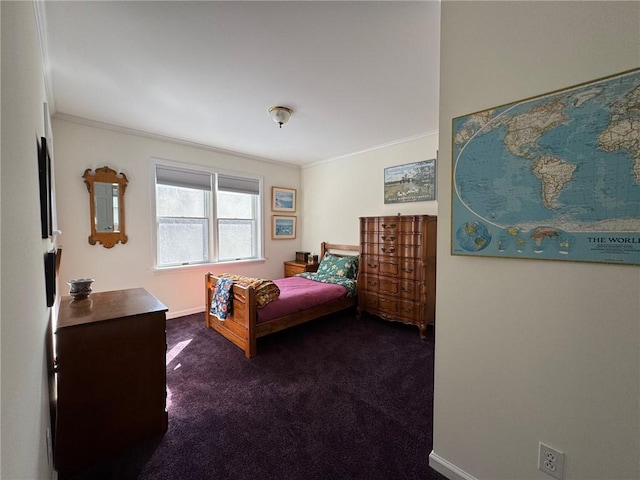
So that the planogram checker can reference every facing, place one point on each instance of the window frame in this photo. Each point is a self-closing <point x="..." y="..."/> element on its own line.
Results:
<point x="211" y="212"/>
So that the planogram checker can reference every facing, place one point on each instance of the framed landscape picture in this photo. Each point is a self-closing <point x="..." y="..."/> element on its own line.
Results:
<point x="283" y="227"/>
<point x="412" y="182"/>
<point x="283" y="199"/>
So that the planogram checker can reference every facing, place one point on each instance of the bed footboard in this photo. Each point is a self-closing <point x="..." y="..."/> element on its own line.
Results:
<point x="240" y="326"/>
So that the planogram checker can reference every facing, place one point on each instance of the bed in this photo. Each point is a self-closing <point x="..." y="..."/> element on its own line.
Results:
<point x="300" y="300"/>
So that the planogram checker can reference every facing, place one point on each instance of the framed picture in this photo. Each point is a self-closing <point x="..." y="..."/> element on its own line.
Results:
<point x="50" y="276"/>
<point x="412" y="182"/>
<point x="283" y="199"/>
<point x="283" y="227"/>
<point x="44" y="176"/>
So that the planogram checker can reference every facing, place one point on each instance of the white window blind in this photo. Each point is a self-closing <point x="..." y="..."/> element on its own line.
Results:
<point x="183" y="178"/>
<point x="227" y="183"/>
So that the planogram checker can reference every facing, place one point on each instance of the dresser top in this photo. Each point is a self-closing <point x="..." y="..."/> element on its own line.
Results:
<point x="103" y="306"/>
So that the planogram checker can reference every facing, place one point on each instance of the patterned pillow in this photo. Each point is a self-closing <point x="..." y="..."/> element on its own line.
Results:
<point x="266" y="290"/>
<point x="332" y="265"/>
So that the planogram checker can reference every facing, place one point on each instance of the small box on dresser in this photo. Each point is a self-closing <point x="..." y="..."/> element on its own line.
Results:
<point x="302" y="256"/>
<point x="397" y="279"/>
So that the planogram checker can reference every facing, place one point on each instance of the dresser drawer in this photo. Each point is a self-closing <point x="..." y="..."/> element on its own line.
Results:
<point x="368" y="301"/>
<point x="390" y="267"/>
<point x="404" y="309"/>
<point x="293" y="268"/>
<point x="392" y="249"/>
<point x="399" y="225"/>
<point x="368" y="282"/>
<point x="403" y="288"/>
<point x="410" y="289"/>
<point x="388" y="286"/>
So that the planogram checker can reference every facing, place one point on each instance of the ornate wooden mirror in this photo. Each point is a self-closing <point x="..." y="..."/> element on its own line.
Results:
<point x="106" y="205"/>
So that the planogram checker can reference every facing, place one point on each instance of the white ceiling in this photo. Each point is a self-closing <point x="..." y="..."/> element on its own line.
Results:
<point x="358" y="75"/>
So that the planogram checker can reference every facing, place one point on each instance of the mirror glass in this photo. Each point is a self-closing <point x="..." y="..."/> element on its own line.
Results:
<point x="106" y="202"/>
<point x="106" y="205"/>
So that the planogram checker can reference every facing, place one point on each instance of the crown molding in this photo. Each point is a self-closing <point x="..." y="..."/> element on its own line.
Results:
<point x="43" y="39"/>
<point x="372" y="149"/>
<point x="165" y="138"/>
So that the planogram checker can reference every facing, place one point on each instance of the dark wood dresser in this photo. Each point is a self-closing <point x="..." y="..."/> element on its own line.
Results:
<point x="293" y="268"/>
<point x="397" y="279"/>
<point x="110" y="375"/>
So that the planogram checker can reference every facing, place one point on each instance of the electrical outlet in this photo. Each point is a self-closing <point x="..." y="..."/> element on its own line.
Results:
<point x="550" y="460"/>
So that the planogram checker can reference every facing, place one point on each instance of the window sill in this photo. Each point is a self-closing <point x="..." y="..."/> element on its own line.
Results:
<point x="203" y="266"/>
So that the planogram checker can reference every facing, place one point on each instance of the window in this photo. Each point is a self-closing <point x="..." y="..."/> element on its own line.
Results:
<point x="237" y="206"/>
<point x="205" y="217"/>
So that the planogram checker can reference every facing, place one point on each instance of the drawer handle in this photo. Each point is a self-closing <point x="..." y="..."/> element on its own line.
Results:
<point x="391" y="225"/>
<point x="391" y="250"/>
<point x="391" y="238"/>
<point x="407" y="290"/>
<point x="408" y="270"/>
<point x="372" y="266"/>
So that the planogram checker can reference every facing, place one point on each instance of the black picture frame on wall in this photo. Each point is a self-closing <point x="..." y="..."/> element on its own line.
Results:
<point x="44" y="176"/>
<point x="50" y="267"/>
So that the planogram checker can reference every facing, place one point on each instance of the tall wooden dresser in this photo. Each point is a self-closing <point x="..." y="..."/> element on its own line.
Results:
<point x="397" y="279"/>
<point x="110" y="375"/>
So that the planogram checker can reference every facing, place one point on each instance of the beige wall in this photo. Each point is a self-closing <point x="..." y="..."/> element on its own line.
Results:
<point x="336" y="193"/>
<point x="131" y="265"/>
<point x="530" y="351"/>
<point x="24" y="314"/>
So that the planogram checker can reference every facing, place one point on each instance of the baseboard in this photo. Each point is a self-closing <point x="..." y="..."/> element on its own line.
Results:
<point x="447" y="469"/>
<point x="183" y="313"/>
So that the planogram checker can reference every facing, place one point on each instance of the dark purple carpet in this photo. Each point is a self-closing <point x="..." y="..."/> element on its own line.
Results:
<point x="336" y="398"/>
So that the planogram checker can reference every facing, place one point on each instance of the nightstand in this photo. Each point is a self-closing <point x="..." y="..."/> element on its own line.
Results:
<point x="292" y="268"/>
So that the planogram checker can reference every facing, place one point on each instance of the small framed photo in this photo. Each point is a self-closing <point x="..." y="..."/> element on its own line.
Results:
<point x="283" y="227"/>
<point x="283" y="199"/>
<point x="412" y="182"/>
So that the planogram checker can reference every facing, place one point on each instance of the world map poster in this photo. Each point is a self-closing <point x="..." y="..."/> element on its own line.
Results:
<point x="554" y="177"/>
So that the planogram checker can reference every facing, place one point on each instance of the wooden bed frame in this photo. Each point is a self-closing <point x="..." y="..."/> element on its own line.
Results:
<point x="241" y="328"/>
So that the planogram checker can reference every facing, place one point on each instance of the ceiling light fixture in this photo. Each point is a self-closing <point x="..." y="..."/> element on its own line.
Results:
<point x="280" y="115"/>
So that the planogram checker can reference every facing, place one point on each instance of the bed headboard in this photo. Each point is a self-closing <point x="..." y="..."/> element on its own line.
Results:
<point x="338" y="249"/>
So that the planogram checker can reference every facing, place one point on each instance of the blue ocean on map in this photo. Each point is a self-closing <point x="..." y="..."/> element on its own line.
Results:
<point x="503" y="189"/>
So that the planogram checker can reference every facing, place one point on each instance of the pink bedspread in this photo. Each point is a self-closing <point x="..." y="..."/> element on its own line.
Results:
<point x="297" y="294"/>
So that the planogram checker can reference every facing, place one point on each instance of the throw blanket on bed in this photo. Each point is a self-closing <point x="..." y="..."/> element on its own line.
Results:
<point x="266" y="290"/>
<point x="222" y="300"/>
